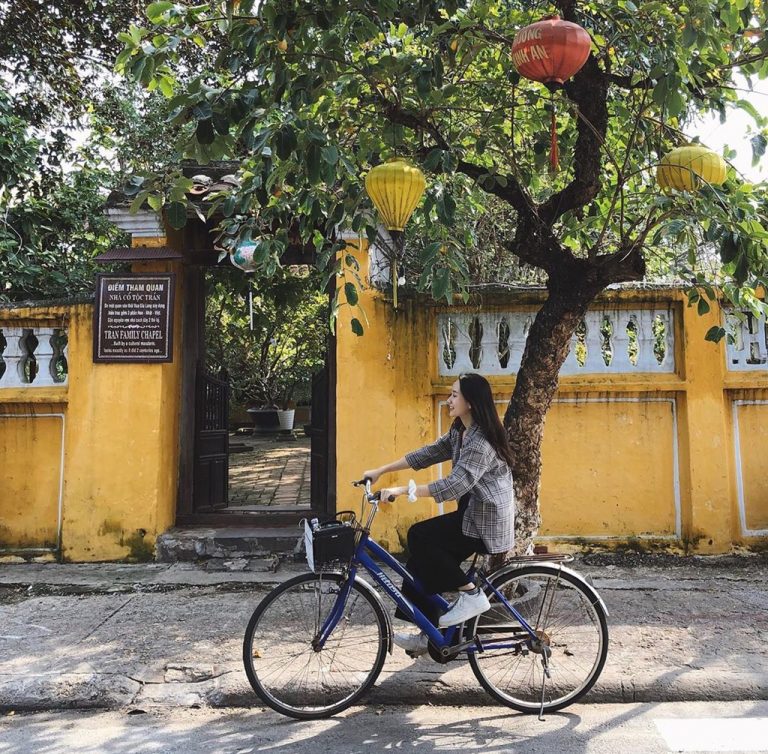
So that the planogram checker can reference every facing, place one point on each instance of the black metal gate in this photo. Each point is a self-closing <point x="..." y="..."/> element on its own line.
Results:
<point x="318" y="434"/>
<point x="211" y="475"/>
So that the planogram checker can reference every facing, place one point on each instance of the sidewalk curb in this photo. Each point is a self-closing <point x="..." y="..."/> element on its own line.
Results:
<point x="108" y="691"/>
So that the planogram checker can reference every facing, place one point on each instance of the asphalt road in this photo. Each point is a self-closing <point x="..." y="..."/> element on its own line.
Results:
<point x="593" y="729"/>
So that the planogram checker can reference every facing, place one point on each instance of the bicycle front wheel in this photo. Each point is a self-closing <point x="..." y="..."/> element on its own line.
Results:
<point x="572" y="640"/>
<point x="283" y="666"/>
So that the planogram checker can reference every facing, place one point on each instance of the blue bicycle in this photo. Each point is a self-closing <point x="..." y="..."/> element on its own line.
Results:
<point x="317" y="643"/>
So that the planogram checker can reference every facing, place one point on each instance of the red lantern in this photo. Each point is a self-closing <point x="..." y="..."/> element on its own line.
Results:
<point x="551" y="51"/>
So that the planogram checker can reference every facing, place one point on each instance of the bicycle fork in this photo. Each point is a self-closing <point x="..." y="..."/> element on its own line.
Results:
<point x="330" y="623"/>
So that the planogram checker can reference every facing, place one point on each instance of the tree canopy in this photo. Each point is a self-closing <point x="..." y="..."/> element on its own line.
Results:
<point x="54" y="184"/>
<point x="70" y="130"/>
<point x="312" y="94"/>
<point x="52" y="222"/>
<point x="54" y="55"/>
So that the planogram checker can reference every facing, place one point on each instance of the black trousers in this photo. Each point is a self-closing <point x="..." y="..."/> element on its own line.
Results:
<point x="436" y="548"/>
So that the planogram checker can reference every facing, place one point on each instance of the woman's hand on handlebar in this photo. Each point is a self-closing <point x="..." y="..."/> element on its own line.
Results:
<point x="388" y="495"/>
<point x="372" y="474"/>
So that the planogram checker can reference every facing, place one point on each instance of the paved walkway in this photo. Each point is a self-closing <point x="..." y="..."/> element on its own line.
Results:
<point x="138" y="636"/>
<point x="274" y="472"/>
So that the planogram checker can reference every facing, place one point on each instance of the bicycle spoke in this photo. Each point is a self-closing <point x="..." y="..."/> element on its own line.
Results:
<point x="292" y="676"/>
<point x="568" y="626"/>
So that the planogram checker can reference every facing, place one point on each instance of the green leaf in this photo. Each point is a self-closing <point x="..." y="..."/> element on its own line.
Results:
<point x="449" y="208"/>
<point x="313" y="158"/>
<point x="675" y="103"/>
<point x="433" y="159"/>
<point x="137" y="203"/>
<point x="748" y="107"/>
<point x="202" y="110"/>
<point x="715" y="334"/>
<point x="221" y="123"/>
<point x="703" y="307"/>
<point x="176" y="213"/>
<point x="759" y="143"/>
<point x="742" y="268"/>
<point x="155" y="10"/>
<point x="285" y="141"/>
<point x="689" y="34"/>
<point x="204" y="132"/>
<point x="357" y="327"/>
<point x="330" y="154"/>
<point x="441" y="284"/>
<point x="137" y="69"/>
<point x="438" y="70"/>
<point x="350" y="293"/>
<point x="166" y="86"/>
<point x="228" y="206"/>
<point x="728" y="248"/>
<point x="660" y="92"/>
<point x="123" y="57"/>
<point x="424" y="82"/>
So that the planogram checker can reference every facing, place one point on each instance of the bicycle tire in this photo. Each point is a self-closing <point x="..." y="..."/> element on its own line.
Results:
<point x="286" y="672"/>
<point x="576" y="633"/>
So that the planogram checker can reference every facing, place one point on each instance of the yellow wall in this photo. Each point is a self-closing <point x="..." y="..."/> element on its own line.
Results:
<point x="749" y="412"/>
<point x="649" y="459"/>
<point x="383" y="403"/>
<point x="31" y="442"/>
<point x="120" y="459"/>
<point x="663" y="458"/>
<point x="593" y="446"/>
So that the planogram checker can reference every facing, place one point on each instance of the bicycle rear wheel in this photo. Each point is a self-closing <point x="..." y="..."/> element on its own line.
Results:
<point x="572" y="630"/>
<point x="286" y="671"/>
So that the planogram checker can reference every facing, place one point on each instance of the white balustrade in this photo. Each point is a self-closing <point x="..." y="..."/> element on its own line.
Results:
<point x="609" y="341"/>
<point x="746" y="347"/>
<point x="32" y="357"/>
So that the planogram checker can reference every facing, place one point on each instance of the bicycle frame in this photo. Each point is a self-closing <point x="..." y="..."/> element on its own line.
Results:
<point x="365" y="551"/>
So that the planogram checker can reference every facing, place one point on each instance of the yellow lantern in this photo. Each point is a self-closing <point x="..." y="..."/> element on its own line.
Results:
<point x="685" y="168"/>
<point x="395" y="189"/>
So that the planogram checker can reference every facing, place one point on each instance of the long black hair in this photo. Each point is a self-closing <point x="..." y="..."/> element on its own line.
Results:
<point x="476" y="391"/>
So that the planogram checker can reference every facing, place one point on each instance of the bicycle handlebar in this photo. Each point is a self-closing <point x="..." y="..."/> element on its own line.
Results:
<point x="373" y="497"/>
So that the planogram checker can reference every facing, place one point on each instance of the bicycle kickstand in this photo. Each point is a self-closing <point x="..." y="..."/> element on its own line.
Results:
<point x="544" y="676"/>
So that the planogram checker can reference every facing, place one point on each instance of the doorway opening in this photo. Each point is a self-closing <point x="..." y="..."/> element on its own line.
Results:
<point x="264" y="393"/>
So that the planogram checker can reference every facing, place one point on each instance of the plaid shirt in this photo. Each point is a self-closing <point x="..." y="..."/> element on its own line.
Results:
<point x="477" y="470"/>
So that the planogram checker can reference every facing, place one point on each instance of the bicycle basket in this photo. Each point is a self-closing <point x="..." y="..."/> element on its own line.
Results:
<point x="332" y="542"/>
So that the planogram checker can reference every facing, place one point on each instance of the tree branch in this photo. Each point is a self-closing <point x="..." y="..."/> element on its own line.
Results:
<point x="512" y="193"/>
<point x="535" y="244"/>
<point x="588" y="90"/>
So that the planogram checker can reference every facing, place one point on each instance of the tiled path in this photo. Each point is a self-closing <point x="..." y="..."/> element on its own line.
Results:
<point x="275" y="473"/>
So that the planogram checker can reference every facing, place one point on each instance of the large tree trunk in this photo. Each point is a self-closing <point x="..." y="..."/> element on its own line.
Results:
<point x="546" y="349"/>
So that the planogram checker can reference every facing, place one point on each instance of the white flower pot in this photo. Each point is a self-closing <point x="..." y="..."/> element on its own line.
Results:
<point x="286" y="419"/>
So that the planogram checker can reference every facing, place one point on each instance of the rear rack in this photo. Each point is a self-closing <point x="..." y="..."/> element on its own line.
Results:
<point x="546" y="557"/>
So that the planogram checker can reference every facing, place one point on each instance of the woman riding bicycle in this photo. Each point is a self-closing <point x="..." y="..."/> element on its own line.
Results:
<point x="481" y="482"/>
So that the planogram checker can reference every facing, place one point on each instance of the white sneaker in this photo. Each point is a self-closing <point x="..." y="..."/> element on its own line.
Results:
<point x="466" y="607"/>
<point x="414" y="644"/>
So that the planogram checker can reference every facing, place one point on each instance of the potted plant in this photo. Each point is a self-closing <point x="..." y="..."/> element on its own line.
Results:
<point x="270" y="356"/>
